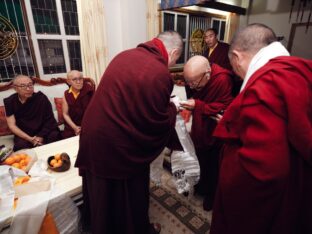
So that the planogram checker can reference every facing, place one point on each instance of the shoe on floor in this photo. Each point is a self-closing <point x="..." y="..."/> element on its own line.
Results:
<point x="207" y="204"/>
<point x="155" y="228"/>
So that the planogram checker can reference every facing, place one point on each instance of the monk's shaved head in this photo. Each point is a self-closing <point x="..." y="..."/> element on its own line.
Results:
<point x="74" y="73"/>
<point x="252" y="38"/>
<point x="173" y="43"/>
<point x="197" y="72"/>
<point x="18" y="77"/>
<point x="172" y="40"/>
<point x="196" y="64"/>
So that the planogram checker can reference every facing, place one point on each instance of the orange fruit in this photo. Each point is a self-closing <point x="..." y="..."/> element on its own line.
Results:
<point x="22" y="163"/>
<point x="57" y="156"/>
<point x="17" y="158"/>
<point x="53" y="162"/>
<point x="21" y="180"/>
<point x="9" y="160"/>
<point x="23" y="168"/>
<point x="16" y="165"/>
<point x="25" y="179"/>
<point x="27" y="159"/>
<point x="23" y="156"/>
<point x="58" y="164"/>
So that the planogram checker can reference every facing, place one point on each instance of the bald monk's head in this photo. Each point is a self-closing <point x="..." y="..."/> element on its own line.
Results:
<point x="24" y="87"/>
<point x="245" y="45"/>
<point x="197" y="72"/>
<point x="75" y="80"/>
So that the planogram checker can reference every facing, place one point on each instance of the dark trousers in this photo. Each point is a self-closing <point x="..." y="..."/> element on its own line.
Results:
<point x="209" y="171"/>
<point x="118" y="206"/>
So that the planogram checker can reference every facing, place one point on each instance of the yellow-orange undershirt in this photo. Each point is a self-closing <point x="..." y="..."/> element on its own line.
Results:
<point x="75" y="94"/>
<point x="212" y="49"/>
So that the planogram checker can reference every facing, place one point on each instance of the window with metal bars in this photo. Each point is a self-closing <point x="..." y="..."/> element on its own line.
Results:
<point x="54" y="45"/>
<point x="177" y="22"/>
<point x="186" y="24"/>
<point x="21" y="61"/>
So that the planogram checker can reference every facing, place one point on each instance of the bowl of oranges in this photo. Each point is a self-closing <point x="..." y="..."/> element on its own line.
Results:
<point x="59" y="162"/>
<point x="22" y="159"/>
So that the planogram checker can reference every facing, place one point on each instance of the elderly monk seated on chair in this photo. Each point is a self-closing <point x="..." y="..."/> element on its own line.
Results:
<point x="30" y="116"/>
<point x="75" y="101"/>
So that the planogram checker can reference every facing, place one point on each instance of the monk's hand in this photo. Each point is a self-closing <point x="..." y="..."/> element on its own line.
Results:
<point x="188" y="104"/>
<point x="37" y="141"/>
<point x="217" y="117"/>
<point x="32" y="140"/>
<point x="176" y="101"/>
<point x="40" y="140"/>
<point x="77" y="130"/>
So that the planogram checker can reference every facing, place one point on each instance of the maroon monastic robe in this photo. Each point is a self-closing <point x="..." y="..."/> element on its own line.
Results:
<point x="213" y="98"/>
<point x="125" y="127"/>
<point x="265" y="183"/>
<point x="34" y="117"/>
<point x="220" y="55"/>
<point x="77" y="107"/>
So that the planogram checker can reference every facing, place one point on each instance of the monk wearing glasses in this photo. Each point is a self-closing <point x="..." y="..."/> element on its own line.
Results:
<point x="212" y="93"/>
<point x="75" y="102"/>
<point x="30" y="116"/>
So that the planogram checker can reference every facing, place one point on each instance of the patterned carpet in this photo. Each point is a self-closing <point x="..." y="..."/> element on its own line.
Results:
<point x="176" y="213"/>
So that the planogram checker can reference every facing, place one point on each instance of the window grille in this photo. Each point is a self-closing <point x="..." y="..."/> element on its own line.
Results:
<point x="21" y="61"/>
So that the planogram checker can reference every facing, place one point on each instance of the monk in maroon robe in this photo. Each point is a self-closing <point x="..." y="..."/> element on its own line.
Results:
<point x="127" y="124"/>
<point x="30" y="116"/>
<point x="265" y="183"/>
<point x="217" y="51"/>
<point x="212" y="94"/>
<point x="75" y="102"/>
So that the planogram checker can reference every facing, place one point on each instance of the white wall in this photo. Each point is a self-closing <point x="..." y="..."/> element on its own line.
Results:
<point x="126" y="24"/>
<point x="275" y="14"/>
<point x="113" y="27"/>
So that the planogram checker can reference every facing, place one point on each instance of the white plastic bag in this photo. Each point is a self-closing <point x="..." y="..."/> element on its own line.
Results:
<point x="156" y="169"/>
<point x="184" y="164"/>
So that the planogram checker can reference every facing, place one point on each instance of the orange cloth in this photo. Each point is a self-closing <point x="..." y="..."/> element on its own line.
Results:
<point x="75" y="94"/>
<point x="212" y="49"/>
<point x="48" y="225"/>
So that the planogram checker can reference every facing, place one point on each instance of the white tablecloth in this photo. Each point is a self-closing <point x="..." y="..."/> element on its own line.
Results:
<point x="68" y="183"/>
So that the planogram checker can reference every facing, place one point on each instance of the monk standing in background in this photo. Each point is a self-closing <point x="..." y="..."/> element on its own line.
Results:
<point x="217" y="51"/>
<point x="128" y="123"/>
<point x="265" y="183"/>
<point x="30" y="116"/>
<point x="75" y="103"/>
<point x="212" y="87"/>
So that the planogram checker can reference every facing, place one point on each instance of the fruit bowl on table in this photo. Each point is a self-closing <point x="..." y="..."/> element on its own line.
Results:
<point x="59" y="162"/>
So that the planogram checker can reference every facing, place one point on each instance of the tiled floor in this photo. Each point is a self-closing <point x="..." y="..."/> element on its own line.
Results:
<point x="169" y="221"/>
